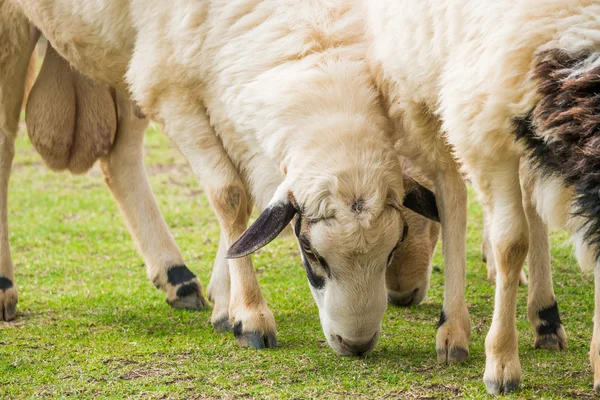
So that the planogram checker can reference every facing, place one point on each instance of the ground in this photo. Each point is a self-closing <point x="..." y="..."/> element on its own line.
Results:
<point x="90" y="325"/>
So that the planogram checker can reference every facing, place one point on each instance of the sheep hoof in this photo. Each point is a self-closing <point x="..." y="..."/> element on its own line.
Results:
<point x="502" y="367"/>
<point x="8" y="300"/>
<point x="458" y="355"/>
<point x="452" y="340"/>
<point x="549" y="331"/>
<point x="222" y="324"/>
<point x="555" y="342"/>
<point x="184" y="289"/>
<point x="495" y="388"/>
<point x="254" y="326"/>
<point x="254" y="339"/>
<point x="191" y="301"/>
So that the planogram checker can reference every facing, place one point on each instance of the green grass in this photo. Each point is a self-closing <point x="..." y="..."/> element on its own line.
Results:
<point x="90" y="325"/>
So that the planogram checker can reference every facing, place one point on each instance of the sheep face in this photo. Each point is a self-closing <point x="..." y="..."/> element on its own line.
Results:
<point x="345" y="265"/>
<point x="347" y="239"/>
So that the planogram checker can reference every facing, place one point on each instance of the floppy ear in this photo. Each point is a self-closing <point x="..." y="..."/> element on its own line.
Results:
<point x="268" y="225"/>
<point x="420" y="199"/>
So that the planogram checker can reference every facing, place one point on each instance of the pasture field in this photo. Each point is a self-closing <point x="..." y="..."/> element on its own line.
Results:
<point x="90" y="325"/>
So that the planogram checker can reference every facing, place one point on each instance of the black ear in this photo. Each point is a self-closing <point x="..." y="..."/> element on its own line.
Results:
<point x="420" y="199"/>
<point x="266" y="228"/>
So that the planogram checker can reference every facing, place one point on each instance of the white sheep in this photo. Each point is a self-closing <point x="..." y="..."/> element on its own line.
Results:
<point x="67" y="116"/>
<point x="484" y="74"/>
<point x="272" y="103"/>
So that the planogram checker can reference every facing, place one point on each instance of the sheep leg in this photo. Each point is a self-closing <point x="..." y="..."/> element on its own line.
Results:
<point x="218" y="290"/>
<point x="454" y="327"/>
<point x="487" y="256"/>
<point x="542" y="308"/>
<point x="500" y="190"/>
<point x="18" y="43"/>
<point x="252" y="321"/>
<point x="125" y="175"/>
<point x="595" y="344"/>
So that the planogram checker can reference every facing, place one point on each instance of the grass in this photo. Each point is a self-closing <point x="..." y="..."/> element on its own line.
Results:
<point x="90" y="325"/>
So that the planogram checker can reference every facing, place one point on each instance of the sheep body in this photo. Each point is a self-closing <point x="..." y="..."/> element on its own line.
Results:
<point x="497" y="81"/>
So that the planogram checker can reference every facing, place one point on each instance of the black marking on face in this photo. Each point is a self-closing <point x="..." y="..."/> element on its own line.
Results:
<point x="187" y="289"/>
<point x="309" y="255"/>
<point x="237" y="329"/>
<point x="179" y="274"/>
<point x="562" y="132"/>
<point x="297" y="225"/>
<point x="5" y="283"/>
<point x="442" y="320"/>
<point x="325" y="266"/>
<point x="315" y="280"/>
<point x="550" y="318"/>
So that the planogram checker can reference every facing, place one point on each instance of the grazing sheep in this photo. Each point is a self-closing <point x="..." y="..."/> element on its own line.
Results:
<point x="502" y="80"/>
<point x="273" y="104"/>
<point x="59" y="91"/>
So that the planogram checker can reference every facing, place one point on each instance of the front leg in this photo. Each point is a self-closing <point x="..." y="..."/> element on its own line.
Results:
<point x="249" y="316"/>
<point x="126" y="177"/>
<point x="500" y="192"/>
<point x="454" y="327"/>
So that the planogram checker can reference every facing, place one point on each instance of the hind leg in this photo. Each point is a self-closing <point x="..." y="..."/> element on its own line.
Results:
<point x="15" y="51"/>
<point x="125" y="175"/>
<point x="542" y="309"/>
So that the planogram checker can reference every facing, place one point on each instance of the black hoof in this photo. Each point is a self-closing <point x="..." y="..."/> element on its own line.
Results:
<point x="222" y="324"/>
<point x="597" y="387"/>
<point x="255" y="340"/>
<point x="511" y="387"/>
<point x="458" y="355"/>
<point x="496" y="388"/>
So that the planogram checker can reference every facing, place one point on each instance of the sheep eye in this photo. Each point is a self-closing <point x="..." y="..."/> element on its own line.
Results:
<point x="391" y="256"/>
<point x="306" y="246"/>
